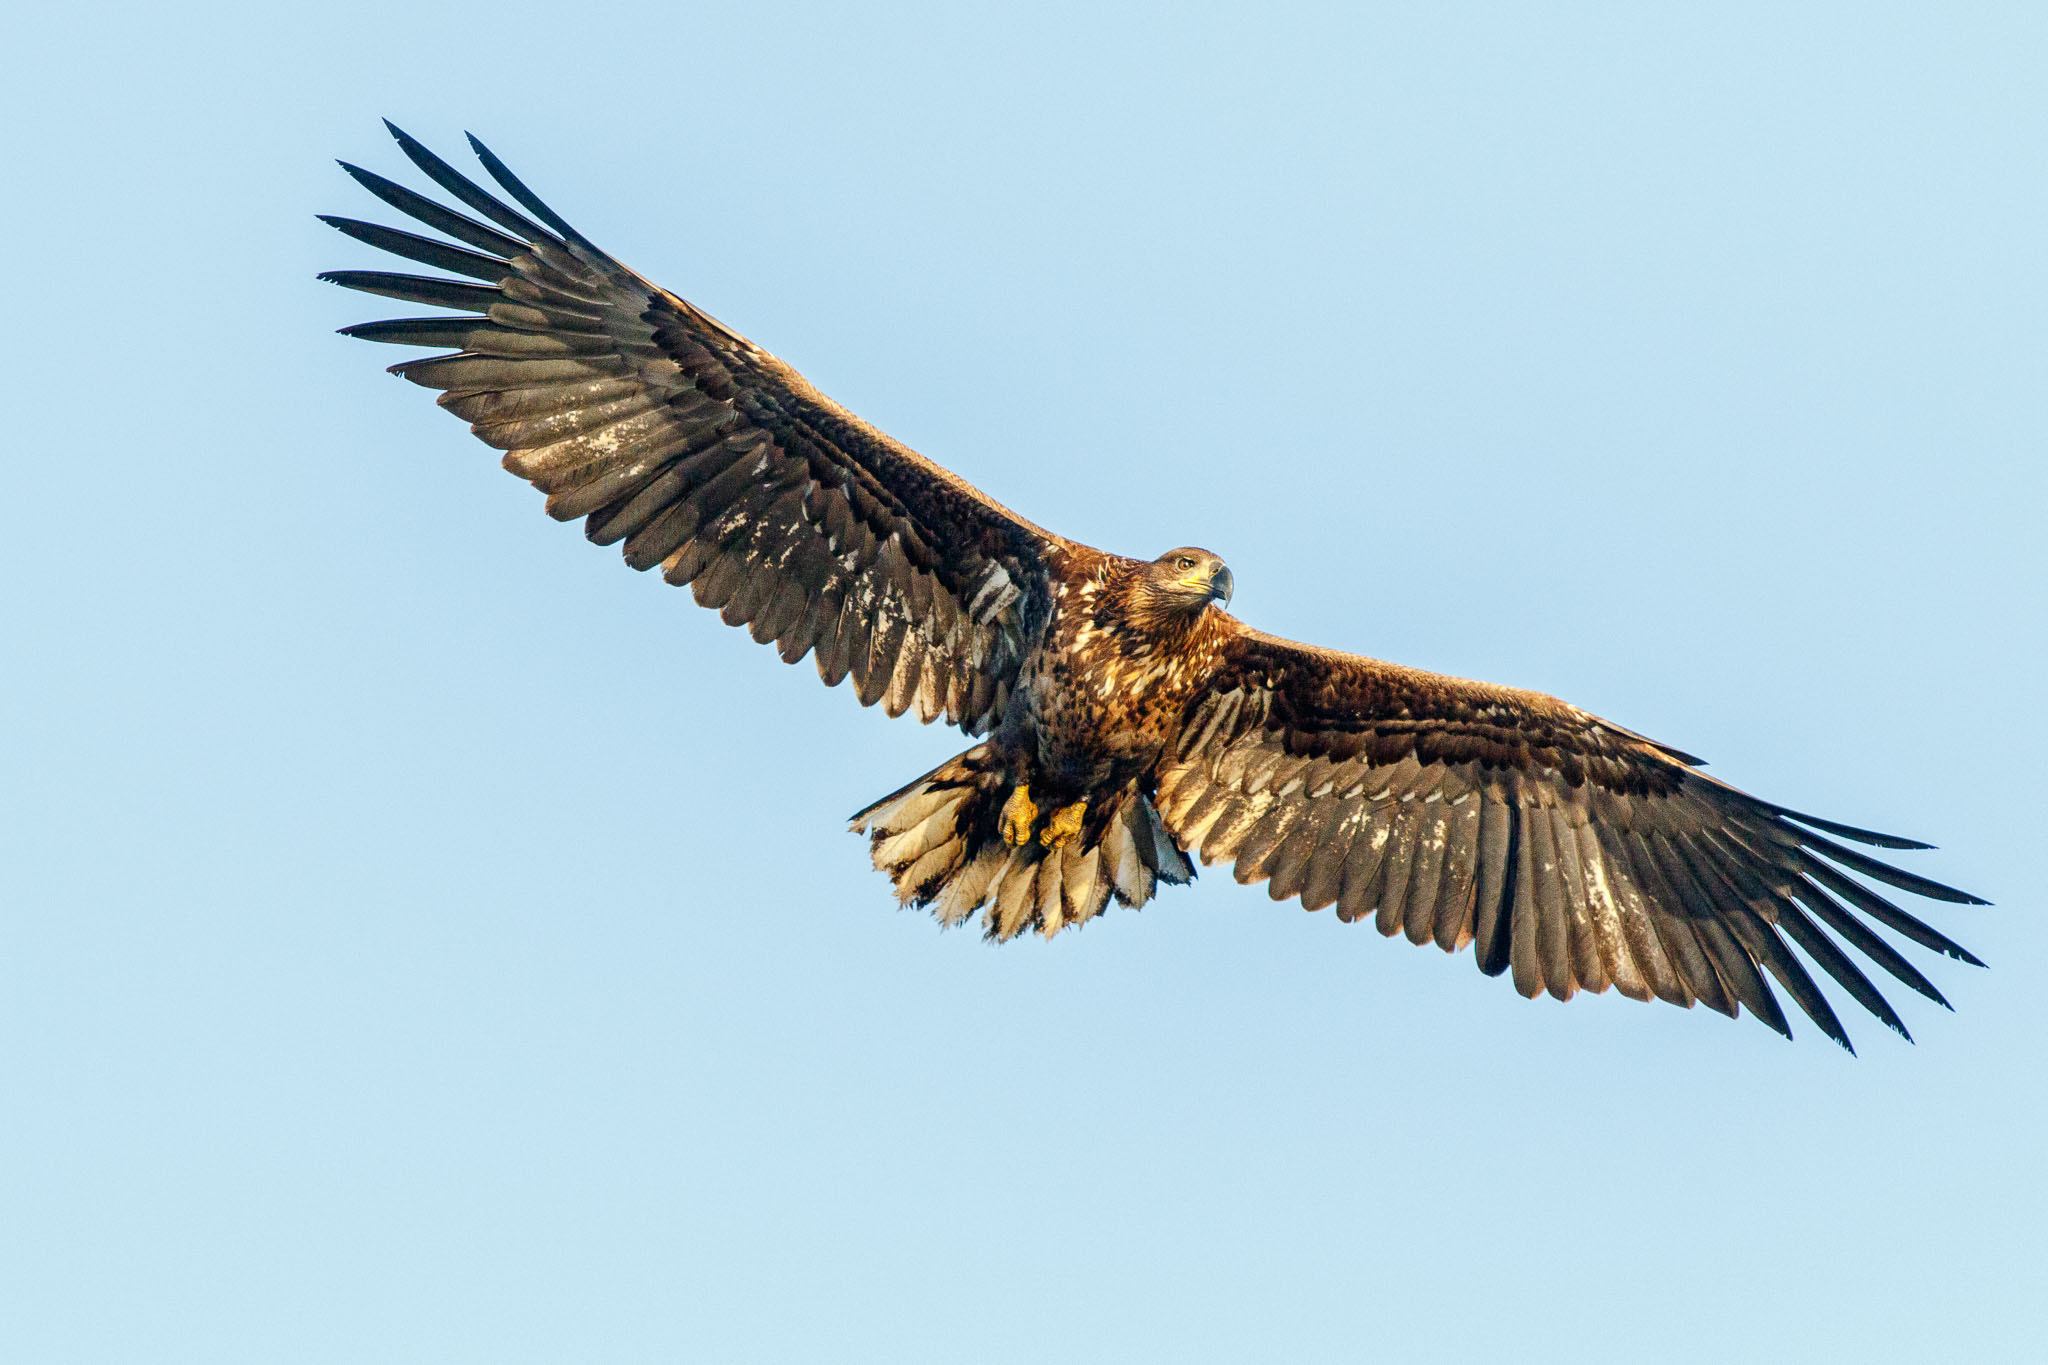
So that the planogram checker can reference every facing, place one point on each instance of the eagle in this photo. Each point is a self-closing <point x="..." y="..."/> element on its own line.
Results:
<point x="1127" y="723"/>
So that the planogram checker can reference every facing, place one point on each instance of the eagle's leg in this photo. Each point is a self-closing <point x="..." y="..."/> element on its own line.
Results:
<point x="1064" y="825"/>
<point x="1019" y="815"/>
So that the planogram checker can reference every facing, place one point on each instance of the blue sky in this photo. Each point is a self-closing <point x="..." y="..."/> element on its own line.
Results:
<point x="426" y="940"/>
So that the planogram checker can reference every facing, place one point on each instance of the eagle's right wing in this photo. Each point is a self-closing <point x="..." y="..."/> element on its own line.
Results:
<point x="708" y="456"/>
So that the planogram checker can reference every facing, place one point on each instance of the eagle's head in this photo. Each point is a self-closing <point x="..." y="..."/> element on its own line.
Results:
<point x="1181" y="583"/>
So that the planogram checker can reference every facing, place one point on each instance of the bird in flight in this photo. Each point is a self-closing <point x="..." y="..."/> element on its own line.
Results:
<point x="1128" y="724"/>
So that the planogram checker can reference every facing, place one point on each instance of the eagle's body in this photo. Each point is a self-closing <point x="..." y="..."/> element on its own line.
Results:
<point x="1106" y="687"/>
<point x="1129" y="720"/>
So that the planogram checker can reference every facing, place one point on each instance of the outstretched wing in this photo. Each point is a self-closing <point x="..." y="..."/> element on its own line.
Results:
<point x="667" y="431"/>
<point x="1568" y="851"/>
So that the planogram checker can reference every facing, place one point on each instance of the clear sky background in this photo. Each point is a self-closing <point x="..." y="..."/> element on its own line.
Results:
<point x="425" y="940"/>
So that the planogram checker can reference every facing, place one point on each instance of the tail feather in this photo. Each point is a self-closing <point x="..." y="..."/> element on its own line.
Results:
<point x="939" y="841"/>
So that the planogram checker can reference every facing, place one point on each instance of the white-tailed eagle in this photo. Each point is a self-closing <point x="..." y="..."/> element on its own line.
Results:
<point x="1130" y="724"/>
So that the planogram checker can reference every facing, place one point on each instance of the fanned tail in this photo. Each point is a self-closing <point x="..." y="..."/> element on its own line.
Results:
<point x="940" y="841"/>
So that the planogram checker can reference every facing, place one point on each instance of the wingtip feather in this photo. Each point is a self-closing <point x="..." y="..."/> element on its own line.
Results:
<point x="516" y="187"/>
<point x="1862" y="836"/>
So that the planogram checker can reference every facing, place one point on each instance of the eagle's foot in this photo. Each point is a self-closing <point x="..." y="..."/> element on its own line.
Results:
<point x="1019" y="815"/>
<point x="1064" y="825"/>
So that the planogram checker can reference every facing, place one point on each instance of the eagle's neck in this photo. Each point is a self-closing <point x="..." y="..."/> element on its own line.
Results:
<point x="1147" y="617"/>
<point x="1146" y="624"/>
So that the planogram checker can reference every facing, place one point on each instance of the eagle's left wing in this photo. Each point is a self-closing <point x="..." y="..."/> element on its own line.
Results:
<point x="695" y="450"/>
<point x="1564" y="848"/>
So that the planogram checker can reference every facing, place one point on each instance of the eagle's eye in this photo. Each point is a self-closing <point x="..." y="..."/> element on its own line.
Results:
<point x="1184" y="563"/>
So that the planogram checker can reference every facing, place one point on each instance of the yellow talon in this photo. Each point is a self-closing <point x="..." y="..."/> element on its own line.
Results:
<point x="1018" y="816"/>
<point x="1064" y="825"/>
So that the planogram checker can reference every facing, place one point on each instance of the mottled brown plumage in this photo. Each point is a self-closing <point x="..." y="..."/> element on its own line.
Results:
<point x="1130" y="721"/>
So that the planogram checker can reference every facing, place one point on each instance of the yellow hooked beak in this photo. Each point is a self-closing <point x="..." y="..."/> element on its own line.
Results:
<point x="1216" y="582"/>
